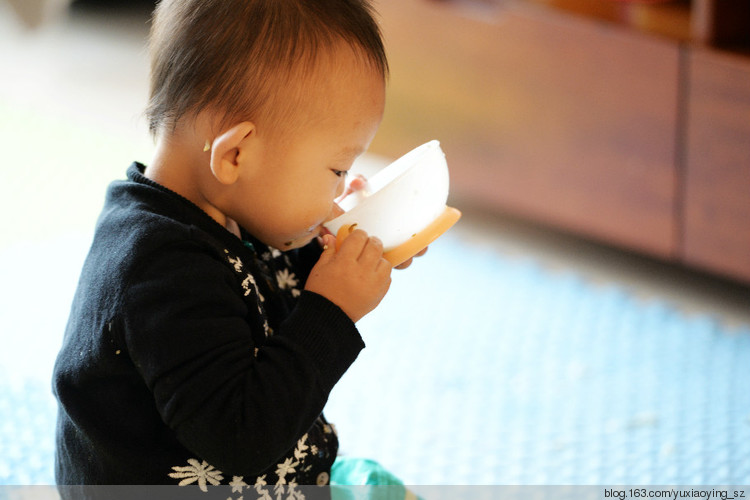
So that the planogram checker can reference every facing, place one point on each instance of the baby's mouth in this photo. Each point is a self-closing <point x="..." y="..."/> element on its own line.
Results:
<point x="321" y="231"/>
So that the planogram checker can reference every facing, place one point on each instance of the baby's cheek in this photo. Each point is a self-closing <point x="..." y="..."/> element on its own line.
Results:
<point x="335" y="211"/>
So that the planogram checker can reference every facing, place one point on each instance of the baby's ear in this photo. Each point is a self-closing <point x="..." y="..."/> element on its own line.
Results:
<point x="226" y="151"/>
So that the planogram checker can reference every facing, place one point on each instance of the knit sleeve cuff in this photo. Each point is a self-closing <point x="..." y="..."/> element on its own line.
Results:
<point x="326" y="333"/>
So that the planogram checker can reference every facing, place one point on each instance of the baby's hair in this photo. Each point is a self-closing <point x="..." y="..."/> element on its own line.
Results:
<point x="236" y="56"/>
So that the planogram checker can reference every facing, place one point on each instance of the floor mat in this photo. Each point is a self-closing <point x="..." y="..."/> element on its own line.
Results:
<point x="480" y="369"/>
<point x="486" y="370"/>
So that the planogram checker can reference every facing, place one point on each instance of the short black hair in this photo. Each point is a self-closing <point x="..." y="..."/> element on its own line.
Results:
<point x="232" y="55"/>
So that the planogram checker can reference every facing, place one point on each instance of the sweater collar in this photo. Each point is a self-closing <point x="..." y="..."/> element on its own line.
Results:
<point x="136" y="173"/>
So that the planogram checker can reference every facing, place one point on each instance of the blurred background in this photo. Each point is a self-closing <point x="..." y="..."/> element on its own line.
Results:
<point x="586" y="322"/>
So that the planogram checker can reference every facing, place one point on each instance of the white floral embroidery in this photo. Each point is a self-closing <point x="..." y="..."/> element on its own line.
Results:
<point x="249" y="286"/>
<point x="284" y="489"/>
<point x="264" y="493"/>
<point x="235" y="261"/>
<point x="247" y="283"/>
<point x="292" y="492"/>
<point x="286" y="279"/>
<point x="197" y="471"/>
<point x="267" y="328"/>
<point x="237" y="484"/>
<point x="288" y="467"/>
<point x="301" y="449"/>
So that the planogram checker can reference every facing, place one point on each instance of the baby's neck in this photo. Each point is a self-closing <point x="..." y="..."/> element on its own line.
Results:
<point x="181" y="166"/>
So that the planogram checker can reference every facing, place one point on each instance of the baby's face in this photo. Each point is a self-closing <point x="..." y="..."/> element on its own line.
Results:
<point x="304" y="172"/>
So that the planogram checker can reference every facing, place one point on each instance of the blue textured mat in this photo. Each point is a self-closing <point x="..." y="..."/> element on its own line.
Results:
<point x="487" y="370"/>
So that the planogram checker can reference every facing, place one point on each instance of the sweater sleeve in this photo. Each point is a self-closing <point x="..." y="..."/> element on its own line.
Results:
<point x="238" y="405"/>
<point x="307" y="257"/>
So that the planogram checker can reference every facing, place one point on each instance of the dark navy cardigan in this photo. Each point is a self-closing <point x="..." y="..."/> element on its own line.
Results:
<point x="192" y="357"/>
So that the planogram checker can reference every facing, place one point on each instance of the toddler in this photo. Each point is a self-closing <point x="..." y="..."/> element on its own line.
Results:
<point x="213" y="314"/>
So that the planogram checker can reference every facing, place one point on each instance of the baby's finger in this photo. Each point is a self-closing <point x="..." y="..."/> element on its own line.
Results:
<point x="358" y="183"/>
<point x="404" y="264"/>
<point x="408" y="262"/>
<point x="353" y="245"/>
<point x="328" y="247"/>
<point x="328" y="243"/>
<point x="372" y="251"/>
<point x="384" y="265"/>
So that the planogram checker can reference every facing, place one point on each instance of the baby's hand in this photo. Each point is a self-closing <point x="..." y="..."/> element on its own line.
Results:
<point x="355" y="278"/>
<point x="359" y="183"/>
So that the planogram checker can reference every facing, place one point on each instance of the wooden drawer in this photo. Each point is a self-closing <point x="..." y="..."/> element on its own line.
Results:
<point x="717" y="166"/>
<point x="543" y="114"/>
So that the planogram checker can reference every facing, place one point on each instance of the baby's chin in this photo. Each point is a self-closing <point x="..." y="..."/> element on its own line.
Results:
<point x="299" y="242"/>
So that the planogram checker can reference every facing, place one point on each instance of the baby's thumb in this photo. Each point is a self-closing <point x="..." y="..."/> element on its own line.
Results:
<point x="329" y="246"/>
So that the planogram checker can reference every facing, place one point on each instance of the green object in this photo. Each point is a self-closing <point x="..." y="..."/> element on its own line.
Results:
<point x="365" y="479"/>
<point x="249" y="245"/>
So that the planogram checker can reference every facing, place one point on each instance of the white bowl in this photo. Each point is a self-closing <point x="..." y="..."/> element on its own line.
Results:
<point x="401" y="200"/>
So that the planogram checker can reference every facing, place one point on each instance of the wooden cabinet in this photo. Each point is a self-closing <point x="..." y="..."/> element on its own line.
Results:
<point x="569" y="113"/>
<point x="717" y="164"/>
<point x="533" y="124"/>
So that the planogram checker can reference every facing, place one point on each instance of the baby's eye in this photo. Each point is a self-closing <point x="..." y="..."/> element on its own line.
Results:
<point x="340" y="173"/>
